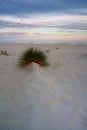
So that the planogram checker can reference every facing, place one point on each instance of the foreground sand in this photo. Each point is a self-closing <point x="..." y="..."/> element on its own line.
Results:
<point x="52" y="98"/>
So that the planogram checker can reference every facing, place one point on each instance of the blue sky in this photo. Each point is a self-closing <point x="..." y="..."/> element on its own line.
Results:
<point x="43" y="20"/>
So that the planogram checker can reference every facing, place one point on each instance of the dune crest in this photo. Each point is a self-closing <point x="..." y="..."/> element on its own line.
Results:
<point x="34" y="67"/>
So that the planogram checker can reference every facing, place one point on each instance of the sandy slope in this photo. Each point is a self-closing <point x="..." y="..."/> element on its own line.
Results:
<point x="53" y="98"/>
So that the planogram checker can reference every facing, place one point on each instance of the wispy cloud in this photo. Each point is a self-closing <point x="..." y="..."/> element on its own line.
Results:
<point x="12" y="34"/>
<point x="64" y="21"/>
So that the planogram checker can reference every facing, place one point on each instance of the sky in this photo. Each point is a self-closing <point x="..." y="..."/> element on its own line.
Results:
<point x="43" y="21"/>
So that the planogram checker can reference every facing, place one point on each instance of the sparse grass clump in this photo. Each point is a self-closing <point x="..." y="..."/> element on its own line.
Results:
<point x="33" y="55"/>
<point x="4" y="52"/>
<point x="47" y="51"/>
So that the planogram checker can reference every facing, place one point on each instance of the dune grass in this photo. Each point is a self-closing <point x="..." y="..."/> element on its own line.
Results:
<point x="33" y="55"/>
<point x="4" y="52"/>
<point x="47" y="51"/>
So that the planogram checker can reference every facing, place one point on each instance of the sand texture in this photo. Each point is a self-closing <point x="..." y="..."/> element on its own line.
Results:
<point x="51" y="98"/>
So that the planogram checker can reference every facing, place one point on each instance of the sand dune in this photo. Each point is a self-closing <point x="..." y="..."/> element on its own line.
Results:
<point x="52" y="98"/>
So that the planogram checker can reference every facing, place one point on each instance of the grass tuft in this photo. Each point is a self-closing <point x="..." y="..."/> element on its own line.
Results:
<point x="47" y="51"/>
<point x="33" y="55"/>
<point x="4" y="52"/>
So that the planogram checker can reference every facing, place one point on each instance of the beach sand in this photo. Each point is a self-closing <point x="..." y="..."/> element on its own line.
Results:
<point x="51" y="98"/>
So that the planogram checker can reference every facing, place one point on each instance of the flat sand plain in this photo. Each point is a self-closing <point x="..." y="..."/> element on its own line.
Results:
<point x="51" y="98"/>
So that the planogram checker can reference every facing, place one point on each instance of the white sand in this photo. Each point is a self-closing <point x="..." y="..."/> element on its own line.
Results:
<point x="52" y="98"/>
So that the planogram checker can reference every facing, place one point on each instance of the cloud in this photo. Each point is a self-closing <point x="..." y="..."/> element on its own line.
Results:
<point x="66" y="22"/>
<point x="21" y="37"/>
<point x="10" y="24"/>
<point x="12" y="34"/>
<point x="22" y="7"/>
<point x="74" y="26"/>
